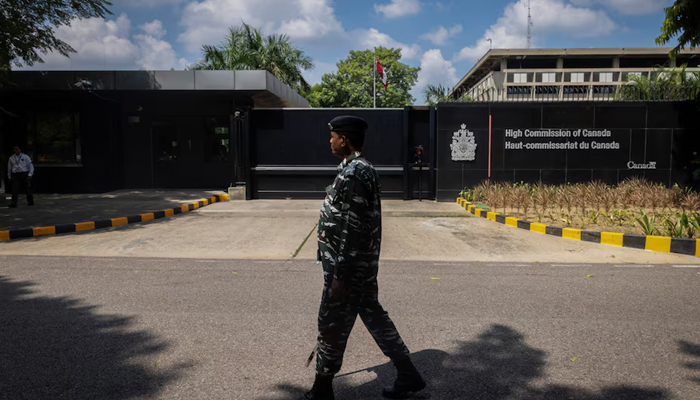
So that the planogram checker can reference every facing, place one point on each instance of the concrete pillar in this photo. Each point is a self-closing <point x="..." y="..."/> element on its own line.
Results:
<point x="237" y="193"/>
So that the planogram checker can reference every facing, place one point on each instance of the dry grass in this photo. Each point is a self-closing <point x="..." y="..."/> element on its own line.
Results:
<point x="635" y="206"/>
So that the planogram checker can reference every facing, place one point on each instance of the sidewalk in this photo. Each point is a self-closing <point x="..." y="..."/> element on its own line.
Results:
<point x="59" y="209"/>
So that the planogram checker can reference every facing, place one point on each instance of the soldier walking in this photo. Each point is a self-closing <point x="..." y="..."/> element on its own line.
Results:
<point x="349" y="241"/>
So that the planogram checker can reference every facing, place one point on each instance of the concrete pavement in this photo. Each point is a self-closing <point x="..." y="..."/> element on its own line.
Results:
<point x="284" y="229"/>
<point x="59" y="209"/>
<point x="170" y="328"/>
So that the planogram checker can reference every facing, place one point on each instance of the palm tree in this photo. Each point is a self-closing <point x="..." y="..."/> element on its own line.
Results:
<point x="435" y="94"/>
<point x="245" y="48"/>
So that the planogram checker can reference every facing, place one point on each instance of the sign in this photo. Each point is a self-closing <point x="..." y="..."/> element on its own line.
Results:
<point x="560" y="139"/>
<point x="650" y="165"/>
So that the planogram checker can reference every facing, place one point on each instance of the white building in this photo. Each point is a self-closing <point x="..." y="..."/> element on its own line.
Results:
<point x="563" y="74"/>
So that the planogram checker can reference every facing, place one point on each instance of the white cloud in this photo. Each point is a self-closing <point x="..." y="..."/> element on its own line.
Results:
<point x="442" y="6"/>
<point x="549" y="17"/>
<point x="434" y="69"/>
<point x="629" y="7"/>
<point x="155" y="54"/>
<point x="441" y="34"/>
<point x="307" y="22"/>
<point x="370" y="38"/>
<point x="304" y="21"/>
<point x="102" y="44"/>
<point x="316" y="18"/>
<point x="154" y="28"/>
<point x="145" y="3"/>
<point x="398" y="8"/>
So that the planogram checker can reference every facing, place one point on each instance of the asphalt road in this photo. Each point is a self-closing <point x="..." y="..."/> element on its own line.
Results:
<point x="125" y="328"/>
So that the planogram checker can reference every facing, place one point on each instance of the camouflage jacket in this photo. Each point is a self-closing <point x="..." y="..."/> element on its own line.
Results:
<point x="350" y="225"/>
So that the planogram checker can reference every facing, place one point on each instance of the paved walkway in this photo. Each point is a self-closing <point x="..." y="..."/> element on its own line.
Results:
<point x="58" y="209"/>
<point x="284" y="229"/>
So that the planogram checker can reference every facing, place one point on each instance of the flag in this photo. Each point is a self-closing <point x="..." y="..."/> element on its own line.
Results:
<point x="382" y="74"/>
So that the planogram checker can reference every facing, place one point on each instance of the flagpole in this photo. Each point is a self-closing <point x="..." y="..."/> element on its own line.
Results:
<point x="374" y="79"/>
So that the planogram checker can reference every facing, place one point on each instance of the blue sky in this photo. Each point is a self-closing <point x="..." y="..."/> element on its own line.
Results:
<point x="445" y="38"/>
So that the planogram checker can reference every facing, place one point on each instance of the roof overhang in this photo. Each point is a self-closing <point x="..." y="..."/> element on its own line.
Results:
<point x="264" y="89"/>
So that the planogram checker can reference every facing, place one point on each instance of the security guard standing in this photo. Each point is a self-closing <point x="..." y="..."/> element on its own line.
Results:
<point x="349" y="242"/>
<point x="20" y="169"/>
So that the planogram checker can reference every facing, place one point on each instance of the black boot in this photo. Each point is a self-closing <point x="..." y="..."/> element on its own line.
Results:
<point x="322" y="389"/>
<point x="407" y="380"/>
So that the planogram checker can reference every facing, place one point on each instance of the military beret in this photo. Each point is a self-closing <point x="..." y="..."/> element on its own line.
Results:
<point x="347" y="123"/>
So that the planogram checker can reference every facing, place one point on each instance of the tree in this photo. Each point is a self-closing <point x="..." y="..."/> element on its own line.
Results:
<point x="352" y="85"/>
<point x="28" y="27"/>
<point x="245" y="48"/>
<point x="664" y="84"/>
<point x="435" y="94"/>
<point x="682" y="19"/>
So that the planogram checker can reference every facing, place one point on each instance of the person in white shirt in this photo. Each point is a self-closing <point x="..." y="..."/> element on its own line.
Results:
<point x="20" y="169"/>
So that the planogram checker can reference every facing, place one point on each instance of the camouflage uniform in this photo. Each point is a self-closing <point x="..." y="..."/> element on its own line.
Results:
<point x="349" y="242"/>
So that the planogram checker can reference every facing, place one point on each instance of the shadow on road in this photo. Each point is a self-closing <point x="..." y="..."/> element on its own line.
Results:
<point x="499" y="365"/>
<point x="693" y="350"/>
<point x="60" y="348"/>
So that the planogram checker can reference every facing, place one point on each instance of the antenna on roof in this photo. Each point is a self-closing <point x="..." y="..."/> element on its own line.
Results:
<point x="529" y="25"/>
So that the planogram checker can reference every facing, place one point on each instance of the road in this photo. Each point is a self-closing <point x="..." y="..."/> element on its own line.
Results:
<point x="197" y="328"/>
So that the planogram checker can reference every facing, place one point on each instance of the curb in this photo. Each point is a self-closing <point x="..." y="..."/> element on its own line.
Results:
<point x="663" y="244"/>
<point x="108" y="223"/>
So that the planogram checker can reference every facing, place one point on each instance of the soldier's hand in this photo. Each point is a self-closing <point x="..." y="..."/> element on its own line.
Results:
<point x="338" y="290"/>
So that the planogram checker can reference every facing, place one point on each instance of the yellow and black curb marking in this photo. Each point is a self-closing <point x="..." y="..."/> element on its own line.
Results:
<point x="107" y="223"/>
<point x="664" y="244"/>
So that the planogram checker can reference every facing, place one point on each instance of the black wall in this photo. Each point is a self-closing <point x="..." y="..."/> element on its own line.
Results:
<point x="665" y="133"/>
<point x="100" y="169"/>
<point x="117" y="135"/>
<point x="285" y="153"/>
<point x="182" y="116"/>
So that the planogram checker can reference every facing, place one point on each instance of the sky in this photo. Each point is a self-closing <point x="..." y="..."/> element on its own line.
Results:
<point x="445" y="38"/>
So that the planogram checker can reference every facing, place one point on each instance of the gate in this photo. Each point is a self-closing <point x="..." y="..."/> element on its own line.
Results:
<point x="290" y="157"/>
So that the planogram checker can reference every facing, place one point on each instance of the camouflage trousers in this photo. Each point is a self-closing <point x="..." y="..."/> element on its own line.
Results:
<point x="336" y="320"/>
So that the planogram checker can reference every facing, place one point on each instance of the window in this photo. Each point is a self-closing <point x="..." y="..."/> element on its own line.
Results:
<point x="520" y="77"/>
<point x="577" y="77"/>
<point x="603" y="89"/>
<point x="606" y="77"/>
<point x="547" y="90"/>
<point x="575" y="90"/>
<point x="549" y="77"/>
<point x="166" y="148"/>
<point x="217" y="139"/>
<point x="54" y="138"/>
<point x="519" y="90"/>
<point x="629" y="76"/>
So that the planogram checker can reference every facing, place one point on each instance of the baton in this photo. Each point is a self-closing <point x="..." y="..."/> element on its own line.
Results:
<point x="311" y="356"/>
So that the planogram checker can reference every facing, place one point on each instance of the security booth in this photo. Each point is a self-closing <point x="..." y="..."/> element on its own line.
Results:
<point x="96" y="131"/>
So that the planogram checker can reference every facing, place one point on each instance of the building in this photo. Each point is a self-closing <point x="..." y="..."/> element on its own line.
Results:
<point x="96" y="131"/>
<point x="564" y="74"/>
